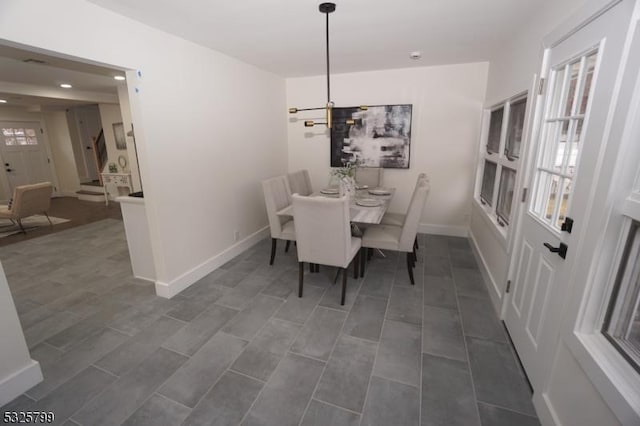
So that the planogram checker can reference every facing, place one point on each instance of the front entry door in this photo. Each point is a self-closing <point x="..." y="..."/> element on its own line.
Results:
<point x="24" y="156"/>
<point x="579" y="70"/>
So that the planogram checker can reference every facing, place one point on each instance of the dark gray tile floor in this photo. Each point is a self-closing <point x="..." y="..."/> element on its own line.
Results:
<point x="239" y="346"/>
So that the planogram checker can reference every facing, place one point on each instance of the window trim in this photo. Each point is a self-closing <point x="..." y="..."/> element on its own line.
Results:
<point x="501" y="160"/>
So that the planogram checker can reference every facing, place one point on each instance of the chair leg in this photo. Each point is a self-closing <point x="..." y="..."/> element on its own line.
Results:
<point x="410" y="268"/>
<point x="369" y="253"/>
<point x="316" y="267"/>
<point x="21" y="227"/>
<point x="344" y="285"/>
<point x="356" y="267"/>
<point x="274" y="243"/>
<point x="415" y="257"/>
<point x="311" y="268"/>
<point x="48" y="218"/>
<point x="286" y="246"/>
<point x="300" y="277"/>
<point x="415" y="243"/>
<point x="363" y="261"/>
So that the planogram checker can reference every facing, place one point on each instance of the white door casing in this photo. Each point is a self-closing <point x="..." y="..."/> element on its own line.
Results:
<point x="567" y="151"/>
<point x="89" y="126"/>
<point x="24" y="153"/>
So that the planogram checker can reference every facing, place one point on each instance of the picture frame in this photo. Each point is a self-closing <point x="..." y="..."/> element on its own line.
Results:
<point x="380" y="137"/>
<point x="118" y="134"/>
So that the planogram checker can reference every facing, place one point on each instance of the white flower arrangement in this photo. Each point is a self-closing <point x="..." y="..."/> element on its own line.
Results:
<point x="348" y="170"/>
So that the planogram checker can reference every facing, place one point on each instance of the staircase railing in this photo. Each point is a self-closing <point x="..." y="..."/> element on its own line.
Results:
<point x="100" y="153"/>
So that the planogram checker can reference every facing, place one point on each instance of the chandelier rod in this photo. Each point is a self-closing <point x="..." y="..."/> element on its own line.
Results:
<point x="328" y="74"/>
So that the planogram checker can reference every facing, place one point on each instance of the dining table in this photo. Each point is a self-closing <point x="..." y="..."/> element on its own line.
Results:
<point x="366" y="207"/>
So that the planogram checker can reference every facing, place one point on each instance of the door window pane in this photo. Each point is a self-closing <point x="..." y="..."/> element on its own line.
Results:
<point x="495" y="128"/>
<point x="622" y="321"/>
<point x="10" y="141"/>
<point x="575" y="148"/>
<point x="559" y="77"/>
<point x="574" y="70"/>
<point x="488" y="179"/>
<point x="18" y="132"/>
<point x="505" y="194"/>
<point x="591" y="66"/>
<point x="552" y="190"/>
<point x="31" y="132"/>
<point x="565" y="186"/>
<point x="515" y="128"/>
<point x="7" y="132"/>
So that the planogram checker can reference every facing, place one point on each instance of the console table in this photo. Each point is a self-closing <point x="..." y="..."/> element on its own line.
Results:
<point x="119" y="180"/>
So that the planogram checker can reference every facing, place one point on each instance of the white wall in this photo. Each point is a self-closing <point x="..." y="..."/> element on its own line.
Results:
<point x="110" y="114"/>
<point x="447" y="103"/>
<point x="18" y="372"/>
<point x="511" y="72"/>
<point x="209" y="128"/>
<point x="132" y="158"/>
<point x="62" y="152"/>
<point x="520" y="56"/>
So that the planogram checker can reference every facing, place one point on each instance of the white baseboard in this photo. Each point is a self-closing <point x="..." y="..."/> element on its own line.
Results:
<point x="451" y="231"/>
<point x="495" y="292"/>
<point x="174" y="287"/>
<point x="546" y="414"/>
<point x="17" y="383"/>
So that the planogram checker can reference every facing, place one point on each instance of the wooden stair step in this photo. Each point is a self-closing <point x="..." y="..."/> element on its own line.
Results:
<point x="84" y="192"/>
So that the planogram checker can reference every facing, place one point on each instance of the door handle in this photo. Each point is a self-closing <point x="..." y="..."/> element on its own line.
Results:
<point x="9" y="170"/>
<point x="561" y="249"/>
<point x="6" y="164"/>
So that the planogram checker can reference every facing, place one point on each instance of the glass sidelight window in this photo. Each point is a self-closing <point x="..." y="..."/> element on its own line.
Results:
<point x="622" y="321"/>
<point x="19" y="136"/>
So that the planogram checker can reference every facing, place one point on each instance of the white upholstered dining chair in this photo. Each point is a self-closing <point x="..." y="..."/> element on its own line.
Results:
<point x="323" y="234"/>
<point x="400" y="238"/>
<point x="370" y="176"/>
<point x="397" y="219"/>
<point x="300" y="182"/>
<point x="277" y="196"/>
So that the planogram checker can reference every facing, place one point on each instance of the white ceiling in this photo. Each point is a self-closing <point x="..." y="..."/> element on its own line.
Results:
<point x="287" y="36"/>
<point x="38" y="85"/>
<point x="54" y="71"/>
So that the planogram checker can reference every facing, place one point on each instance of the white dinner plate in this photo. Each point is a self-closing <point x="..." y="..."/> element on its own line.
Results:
<point x="379" y="192"/>
<point x="330" y="191"/>
<point x="368" y="202"/>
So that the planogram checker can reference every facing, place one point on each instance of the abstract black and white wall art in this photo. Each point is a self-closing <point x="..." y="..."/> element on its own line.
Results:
<point x="381" y="136"/>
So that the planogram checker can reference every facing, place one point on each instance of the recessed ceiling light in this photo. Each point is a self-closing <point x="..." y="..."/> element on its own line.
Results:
<point x="415" y="55"/>
<point x="3" y="101"/>
<point x="119" y="77"/>
<point x="66" y="86"/>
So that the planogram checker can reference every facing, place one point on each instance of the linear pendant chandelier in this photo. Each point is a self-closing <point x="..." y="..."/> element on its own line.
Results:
<point x="325" y="8"/>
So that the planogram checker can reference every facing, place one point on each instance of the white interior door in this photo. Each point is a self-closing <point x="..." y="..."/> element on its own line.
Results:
<point x="24" y="155"/>
<point x="579" y="71"/>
